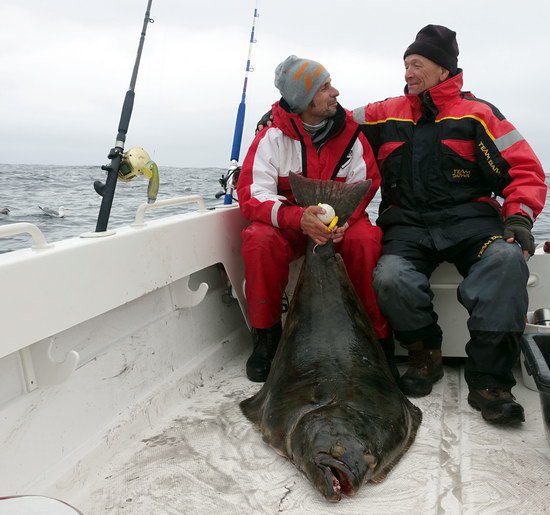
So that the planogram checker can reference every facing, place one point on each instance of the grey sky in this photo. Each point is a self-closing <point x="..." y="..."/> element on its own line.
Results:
<point x="66" y="65"/>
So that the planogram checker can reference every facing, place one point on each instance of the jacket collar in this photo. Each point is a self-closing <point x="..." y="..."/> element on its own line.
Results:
<point x="448" y="92"/>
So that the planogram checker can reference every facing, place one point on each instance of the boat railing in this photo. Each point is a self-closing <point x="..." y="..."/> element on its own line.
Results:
<point x="25" y="227"/>
<point x="176" y="201"/>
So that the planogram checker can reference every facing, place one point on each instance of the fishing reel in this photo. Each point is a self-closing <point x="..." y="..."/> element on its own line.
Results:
<point x="137" y="161"/>
<point x="228" y="182"/>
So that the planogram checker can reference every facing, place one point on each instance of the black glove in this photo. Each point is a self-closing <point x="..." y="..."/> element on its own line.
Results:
<point x="267" y="117"/>
<point x="519" y="227"/>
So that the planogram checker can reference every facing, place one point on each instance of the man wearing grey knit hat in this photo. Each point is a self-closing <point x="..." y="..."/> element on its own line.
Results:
<point x="314" y="136"/>
<point x="298" y="80"/>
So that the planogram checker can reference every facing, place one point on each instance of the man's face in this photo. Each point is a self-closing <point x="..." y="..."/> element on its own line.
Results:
<point x="323" y="104"/>
<point x="422" y="74"/>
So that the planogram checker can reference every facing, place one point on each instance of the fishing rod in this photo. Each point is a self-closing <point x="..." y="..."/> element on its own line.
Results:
<point x="107" y="189"/>
<point x="228" y="181"/>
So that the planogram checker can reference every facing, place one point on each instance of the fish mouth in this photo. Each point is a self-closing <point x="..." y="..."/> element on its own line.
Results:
<point x="338" y="478"/>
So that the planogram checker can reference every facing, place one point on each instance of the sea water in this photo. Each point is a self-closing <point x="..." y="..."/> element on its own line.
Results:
<point x="25" y="187"/>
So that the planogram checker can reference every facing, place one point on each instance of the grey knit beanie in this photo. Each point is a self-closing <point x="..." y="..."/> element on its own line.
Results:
<point x="298" y="80"/>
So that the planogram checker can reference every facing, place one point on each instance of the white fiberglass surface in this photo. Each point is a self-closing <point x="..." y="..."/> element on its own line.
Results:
<point x="203" y="456"/>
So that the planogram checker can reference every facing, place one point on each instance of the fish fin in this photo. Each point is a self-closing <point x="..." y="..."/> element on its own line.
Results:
<point x="250" y="411"/>
<point x="343" y="197"/>
<point x="416" y="419"/>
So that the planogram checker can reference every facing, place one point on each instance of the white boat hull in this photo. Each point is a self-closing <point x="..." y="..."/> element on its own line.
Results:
<point x="122" y="366"/>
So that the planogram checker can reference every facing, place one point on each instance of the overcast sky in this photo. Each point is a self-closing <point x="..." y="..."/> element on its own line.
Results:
<point x="65" y="66"/>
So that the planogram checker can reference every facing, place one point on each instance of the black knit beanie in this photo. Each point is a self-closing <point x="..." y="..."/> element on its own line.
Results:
<point x="438" y="44"/>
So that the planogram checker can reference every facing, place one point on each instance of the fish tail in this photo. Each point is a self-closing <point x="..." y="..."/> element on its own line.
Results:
<point x="343" y="197"/>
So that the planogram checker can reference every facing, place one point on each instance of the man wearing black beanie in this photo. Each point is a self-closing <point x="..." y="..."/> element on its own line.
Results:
<point x="438" y="44"/>
<point x="444" y="157"/>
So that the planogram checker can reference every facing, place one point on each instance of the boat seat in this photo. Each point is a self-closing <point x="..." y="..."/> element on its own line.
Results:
<point x="453" y="316"/>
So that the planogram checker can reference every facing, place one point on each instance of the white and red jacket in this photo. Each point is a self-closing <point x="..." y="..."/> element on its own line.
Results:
<point x="263" y="187"/>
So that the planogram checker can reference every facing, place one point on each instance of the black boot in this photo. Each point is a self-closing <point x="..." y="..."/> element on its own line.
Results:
<point x="265" y="346"/>
<point x="497" y="405"/>
<point x="425" y="368"/>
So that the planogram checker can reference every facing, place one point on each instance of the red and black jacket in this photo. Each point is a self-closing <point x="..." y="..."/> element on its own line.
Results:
<point x="444" y="155"/>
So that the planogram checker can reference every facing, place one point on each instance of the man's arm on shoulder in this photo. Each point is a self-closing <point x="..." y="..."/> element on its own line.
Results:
<point x="363" y="166"/>
<point x="265" y="121"/>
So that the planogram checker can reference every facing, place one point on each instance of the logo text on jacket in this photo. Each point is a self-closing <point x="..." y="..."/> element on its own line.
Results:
<point x="461" y="174"/>
<point x="487" y="154"/>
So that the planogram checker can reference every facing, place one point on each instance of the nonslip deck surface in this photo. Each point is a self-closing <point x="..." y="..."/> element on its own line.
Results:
<point x="205" y="458"/>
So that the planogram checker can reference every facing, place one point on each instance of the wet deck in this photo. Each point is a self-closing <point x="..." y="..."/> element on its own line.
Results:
<point x="205" y="457"/>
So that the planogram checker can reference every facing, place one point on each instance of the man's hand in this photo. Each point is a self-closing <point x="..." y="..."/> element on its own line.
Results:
<point x="313" y="227"/>
<point x="337" y="234"/>
<point x="518" y="228"/>
<point x="265" y="121"/>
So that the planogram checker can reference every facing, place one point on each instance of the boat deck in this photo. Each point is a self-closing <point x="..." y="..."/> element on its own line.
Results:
<point x="205" y="457"/>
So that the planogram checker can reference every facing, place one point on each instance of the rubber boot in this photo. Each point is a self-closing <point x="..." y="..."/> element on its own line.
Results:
<point x="497" y="405"/>
<point x="425" y="368"/>
<point x="265" y="346"/>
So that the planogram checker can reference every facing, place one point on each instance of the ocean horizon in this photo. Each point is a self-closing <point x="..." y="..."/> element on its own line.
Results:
<point x="26" y="187"/>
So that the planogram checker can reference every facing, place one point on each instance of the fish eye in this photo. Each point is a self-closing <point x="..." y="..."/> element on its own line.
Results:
<point x="370" y="459"/>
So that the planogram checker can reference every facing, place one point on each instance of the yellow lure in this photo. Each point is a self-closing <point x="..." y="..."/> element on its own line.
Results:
<point x="333" y="223"/>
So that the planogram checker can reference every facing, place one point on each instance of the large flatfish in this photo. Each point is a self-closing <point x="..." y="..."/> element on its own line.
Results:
<point x="330" y="403"/>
